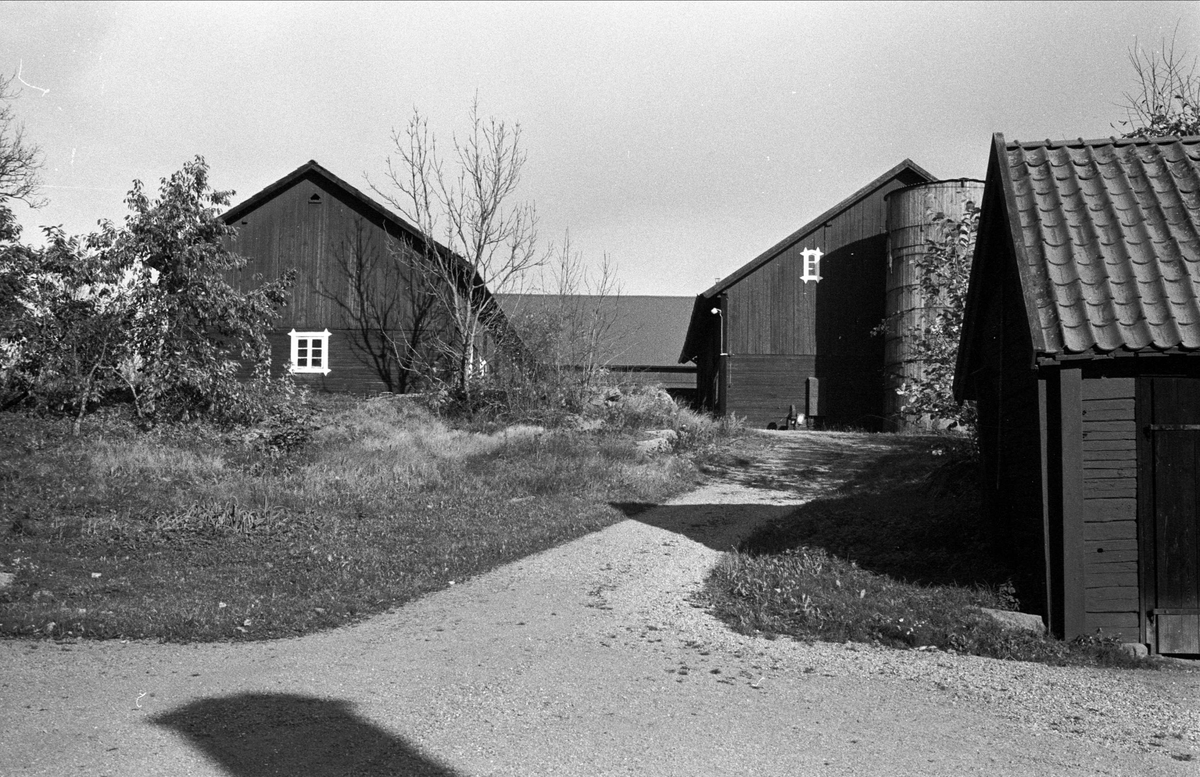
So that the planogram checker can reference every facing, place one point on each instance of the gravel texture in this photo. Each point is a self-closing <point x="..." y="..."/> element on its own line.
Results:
<point x="594" y="659"/>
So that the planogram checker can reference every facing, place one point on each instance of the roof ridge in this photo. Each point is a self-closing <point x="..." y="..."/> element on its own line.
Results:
<point x="280" y="185"/>
<point x="1109" y="141"/>
<point x="812" y="224"/>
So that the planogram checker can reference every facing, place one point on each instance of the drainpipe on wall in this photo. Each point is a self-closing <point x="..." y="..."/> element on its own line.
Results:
<point x="722" y="357"/>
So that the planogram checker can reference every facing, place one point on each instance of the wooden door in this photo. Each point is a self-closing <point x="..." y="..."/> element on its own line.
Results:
<point x="1170" y="552"/>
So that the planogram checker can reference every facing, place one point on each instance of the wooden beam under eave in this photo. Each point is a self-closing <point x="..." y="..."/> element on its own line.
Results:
<point x="1044" y="432"/>
<point x="1070" y="440"/>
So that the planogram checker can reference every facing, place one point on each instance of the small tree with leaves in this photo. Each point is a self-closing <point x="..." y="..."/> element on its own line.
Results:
<point x="75" y="309"/>
<point x="943" y="272"/>
<point x="145" y="309"/>
<point x="192" y="329"/>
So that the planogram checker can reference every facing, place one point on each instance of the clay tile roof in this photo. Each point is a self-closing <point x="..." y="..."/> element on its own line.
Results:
<point x="1110" y="242"/>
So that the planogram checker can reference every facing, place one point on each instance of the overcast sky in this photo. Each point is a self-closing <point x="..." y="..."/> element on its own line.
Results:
<point x="680" y="139"/>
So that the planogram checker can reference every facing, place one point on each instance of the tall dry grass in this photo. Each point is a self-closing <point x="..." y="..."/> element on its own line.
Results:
<point x="186" y="534"/>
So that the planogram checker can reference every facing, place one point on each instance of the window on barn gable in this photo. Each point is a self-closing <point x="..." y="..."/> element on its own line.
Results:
<point x="811" y="257"/>
<point x="310" y="351"/>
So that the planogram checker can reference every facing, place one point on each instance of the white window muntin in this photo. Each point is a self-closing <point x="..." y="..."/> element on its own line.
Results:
<point x="310" y="351"/>
<point x="811" y="257"/>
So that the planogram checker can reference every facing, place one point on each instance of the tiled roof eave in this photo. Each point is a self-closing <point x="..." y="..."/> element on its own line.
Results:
<point x="1096" y="354"/>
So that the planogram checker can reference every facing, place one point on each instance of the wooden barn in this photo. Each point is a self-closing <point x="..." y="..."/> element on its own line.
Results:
<point x="795" y="325"/>
<point x="352" y="302"/>
<point x="1081" y="346"/>
<point x="638" y="335"/>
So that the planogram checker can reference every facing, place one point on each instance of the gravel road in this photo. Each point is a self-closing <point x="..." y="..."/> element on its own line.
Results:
<point x="589" y="659"/>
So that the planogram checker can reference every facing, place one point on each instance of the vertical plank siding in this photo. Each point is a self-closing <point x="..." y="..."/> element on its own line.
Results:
<point x="1110" y="488"/>
<point x="782" y="330"/>
<point x="315" y="229"/>
<point x="760" y="388"/>
<point x="291" y="231"/>
<point x="1169" y="407"/>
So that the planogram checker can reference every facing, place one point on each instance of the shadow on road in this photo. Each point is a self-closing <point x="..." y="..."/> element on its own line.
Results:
<point x="717" y="526"/>
<point x="259" y="734"/>
<point x="889" y="503"/>
<point x="797" y="467"/>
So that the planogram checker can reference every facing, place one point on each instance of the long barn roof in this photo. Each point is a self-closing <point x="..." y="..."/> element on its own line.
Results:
<point x="643" y="331"/>
<point x="1106" y="236"/>
<point x="393" y="224"/>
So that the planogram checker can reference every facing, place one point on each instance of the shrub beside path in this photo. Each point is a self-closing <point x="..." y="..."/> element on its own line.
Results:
<point x="593" y="659"/>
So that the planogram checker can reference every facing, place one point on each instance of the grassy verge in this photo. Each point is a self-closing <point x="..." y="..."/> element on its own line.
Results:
<point x="184" y="534"/>
<point x="897" y="556"/>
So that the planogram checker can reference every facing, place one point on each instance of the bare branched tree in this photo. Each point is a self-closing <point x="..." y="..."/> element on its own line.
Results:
<point x="567" y="327"/>
<point x="477" y="240"/>
<point x="587" y="308"/>
<point x="20" y="159"/>
<point x="391" y="303"/>
<point x="1166" y="101"/>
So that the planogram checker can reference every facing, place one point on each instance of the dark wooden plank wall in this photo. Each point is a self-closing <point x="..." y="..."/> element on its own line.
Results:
<point x="772" y="315"/>
<point x="760" y="388"/>
<point x="290" y="231"/>
<point x="772" y="311"/>
<point x="1011" y="400"/>
<point x="1110" y="555"/>
<point x="350" y="371"/>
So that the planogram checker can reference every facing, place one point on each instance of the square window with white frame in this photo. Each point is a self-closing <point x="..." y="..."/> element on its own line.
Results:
<point x="310" y="351"/>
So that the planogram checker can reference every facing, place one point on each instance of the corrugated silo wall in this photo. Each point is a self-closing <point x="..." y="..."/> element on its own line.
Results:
<point x="910" y="219"/>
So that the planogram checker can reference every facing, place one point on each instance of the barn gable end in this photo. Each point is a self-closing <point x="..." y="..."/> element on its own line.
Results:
<point x="795" y="323"/>
<point x="337" y="239"/>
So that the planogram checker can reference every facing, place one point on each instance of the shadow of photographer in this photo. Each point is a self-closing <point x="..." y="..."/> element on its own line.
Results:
<point x="260" y="734"/>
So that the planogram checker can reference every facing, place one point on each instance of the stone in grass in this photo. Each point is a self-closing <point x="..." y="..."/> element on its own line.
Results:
<point x="1016" y="621"/>
<point x="1135" y="649"/>
<point x="658" y="441"/>
<point x="6" y="580"/>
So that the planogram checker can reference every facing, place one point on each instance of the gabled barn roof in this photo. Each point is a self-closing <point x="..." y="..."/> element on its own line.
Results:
<point x="393" y="224"/>
<point x="908" y="171"/>
<point x="313" y="171"/>
<point x="1106" y="238"/>
<point x="645" y="331"/>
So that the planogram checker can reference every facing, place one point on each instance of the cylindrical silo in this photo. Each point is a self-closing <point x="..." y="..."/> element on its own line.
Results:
<point x="911" y="223"/>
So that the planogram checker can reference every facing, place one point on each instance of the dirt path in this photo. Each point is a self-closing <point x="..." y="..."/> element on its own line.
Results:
<point x="589" y="659"/>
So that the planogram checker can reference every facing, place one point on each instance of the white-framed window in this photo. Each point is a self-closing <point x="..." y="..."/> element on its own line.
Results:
<point x="811" y="257"/>
<point x="310" y="351"/>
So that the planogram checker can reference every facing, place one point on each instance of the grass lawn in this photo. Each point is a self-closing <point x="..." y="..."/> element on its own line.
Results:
<point x="897" y="556"/>
<point x="184" y="534"/>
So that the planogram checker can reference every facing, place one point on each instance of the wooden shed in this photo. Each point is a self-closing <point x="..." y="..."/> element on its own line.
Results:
<point x="343" y="246"/>
<point x="795" y="325"/>
<point x="1081" y="345"/>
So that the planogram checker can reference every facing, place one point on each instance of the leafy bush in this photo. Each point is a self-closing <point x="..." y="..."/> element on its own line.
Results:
<point x="144" y="312"/>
